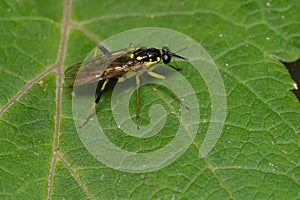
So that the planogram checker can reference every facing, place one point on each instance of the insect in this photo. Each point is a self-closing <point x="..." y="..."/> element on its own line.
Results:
<point x="130" y="62"/>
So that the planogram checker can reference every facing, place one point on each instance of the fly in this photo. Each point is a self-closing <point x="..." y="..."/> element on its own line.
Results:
<point x="129" y="62"/>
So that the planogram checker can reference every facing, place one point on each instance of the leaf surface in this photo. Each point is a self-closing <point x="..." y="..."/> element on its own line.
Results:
<point x="257" y="154"/>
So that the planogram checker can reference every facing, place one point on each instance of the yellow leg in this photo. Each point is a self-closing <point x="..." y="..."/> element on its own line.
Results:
<point x="128" y="75"/>
<point x="95" y="53"/>
<point x="106" y="52"/>
<point x="137" y="80"/>
<point x="101" y="91"/>
<point x="94" y="105"/>
<point x="162" y="77"/>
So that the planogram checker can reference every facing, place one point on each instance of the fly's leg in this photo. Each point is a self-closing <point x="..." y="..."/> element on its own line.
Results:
<point x="128" y="75"/>
<point x="101" y="91"/>
<point x="88" y="116"/>
<point x="96" y="102"/>
<point x="104" y="50"/>
<point x="162" y="77"/>
<point x="107" y="53"/>
<point x="137" y="81"/>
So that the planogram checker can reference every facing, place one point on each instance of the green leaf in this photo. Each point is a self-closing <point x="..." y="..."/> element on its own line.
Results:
<point x="42" y="155"/>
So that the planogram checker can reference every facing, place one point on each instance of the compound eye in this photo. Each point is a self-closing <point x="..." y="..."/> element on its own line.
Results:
<point x="165" y="50"/>
<point x="166" y="58"/>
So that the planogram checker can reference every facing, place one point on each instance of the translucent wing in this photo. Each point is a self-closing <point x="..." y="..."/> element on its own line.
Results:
<point x="87" y="71"/>
<point x="91" y="70"/>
